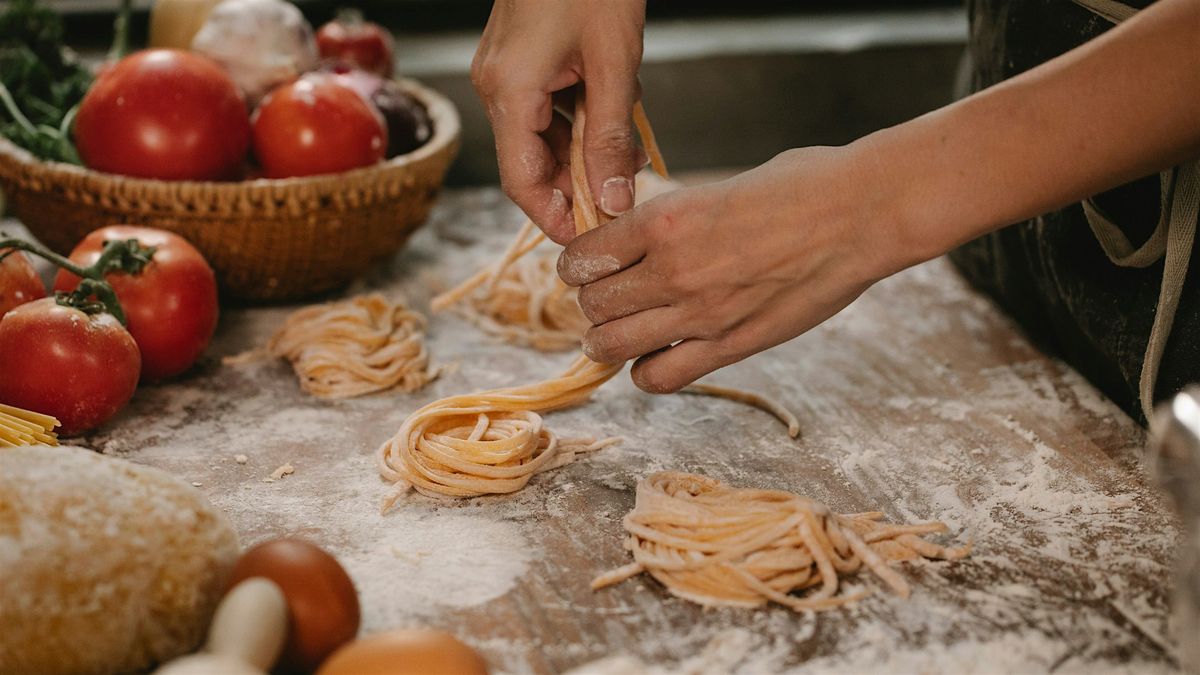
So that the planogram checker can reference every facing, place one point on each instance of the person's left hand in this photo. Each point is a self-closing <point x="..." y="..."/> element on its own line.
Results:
<point x="703" y="277"/>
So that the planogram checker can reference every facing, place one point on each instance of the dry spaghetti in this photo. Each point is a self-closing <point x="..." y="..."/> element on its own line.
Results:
<point x="23" y="427"/>
<point x="722" y="546"/>
<point x="358" y="346"/>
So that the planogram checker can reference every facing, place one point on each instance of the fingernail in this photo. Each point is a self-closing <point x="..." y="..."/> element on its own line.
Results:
<point x="616" y="196"/>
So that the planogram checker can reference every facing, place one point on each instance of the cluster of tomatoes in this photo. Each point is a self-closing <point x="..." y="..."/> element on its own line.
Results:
<point x="144" y="315"/>
<point x="173" y="114"/>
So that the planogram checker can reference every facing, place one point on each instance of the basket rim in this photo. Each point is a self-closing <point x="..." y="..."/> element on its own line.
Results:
<point x="447" y="126"/>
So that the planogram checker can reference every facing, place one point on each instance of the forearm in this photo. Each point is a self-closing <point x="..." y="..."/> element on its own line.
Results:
<point x="1123" y="106"/>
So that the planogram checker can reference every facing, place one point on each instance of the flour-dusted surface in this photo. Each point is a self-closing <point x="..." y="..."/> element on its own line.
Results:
<point x="919" y="400"/>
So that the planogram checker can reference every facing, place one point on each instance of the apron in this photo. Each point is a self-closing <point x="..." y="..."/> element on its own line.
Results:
<point x="1104" y="284"/>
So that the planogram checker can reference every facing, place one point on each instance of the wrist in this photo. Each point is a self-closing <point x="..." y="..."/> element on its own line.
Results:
<point x="915" y="193"/>
<point x="885" y="210"/>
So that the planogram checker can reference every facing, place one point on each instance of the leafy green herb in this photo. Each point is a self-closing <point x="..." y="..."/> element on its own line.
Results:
<point x="41" y="81"/>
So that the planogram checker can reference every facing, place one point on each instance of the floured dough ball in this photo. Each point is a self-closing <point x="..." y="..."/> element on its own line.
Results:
<point x="105" y="566"/>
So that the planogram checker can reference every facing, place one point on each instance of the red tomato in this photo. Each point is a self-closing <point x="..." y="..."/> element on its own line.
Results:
<point x="170" y="307"/>
<point x="167" y="114"/>
<point x="317" y="125"/>
<point x="19" y="282"/>
<point x="362" y="43"/>
<point x="59" y="361"/>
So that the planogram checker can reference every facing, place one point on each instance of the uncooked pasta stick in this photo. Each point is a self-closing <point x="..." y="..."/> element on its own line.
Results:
<point x="20" y="427"/>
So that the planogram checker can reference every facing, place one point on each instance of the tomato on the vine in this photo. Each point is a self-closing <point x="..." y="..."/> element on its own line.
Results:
<point x="19" y="282"/>
<point x="171" y="305"/>
<point x="317" y="125"/>
<point x="62" y="362"/>
<point x="167" y="114"/>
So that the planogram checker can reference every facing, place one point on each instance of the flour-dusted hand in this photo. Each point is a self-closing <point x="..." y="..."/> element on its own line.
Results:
<point x="532" y="50"/>
<point x="703" y="277"/>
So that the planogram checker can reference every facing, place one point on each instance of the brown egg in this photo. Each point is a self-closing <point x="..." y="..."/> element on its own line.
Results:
<point x="406" y="652"/>
<point x="322" y="604"/>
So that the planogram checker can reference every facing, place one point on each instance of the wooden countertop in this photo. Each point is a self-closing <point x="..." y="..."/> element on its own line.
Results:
<point x="920" y="400"/>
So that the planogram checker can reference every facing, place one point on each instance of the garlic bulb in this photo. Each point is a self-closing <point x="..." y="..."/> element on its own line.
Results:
<point x="262" y="43"/>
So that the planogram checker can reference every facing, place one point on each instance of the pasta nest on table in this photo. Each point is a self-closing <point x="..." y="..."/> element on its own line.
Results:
<point x="354" y="347"/>
<point x="721" y="546"/>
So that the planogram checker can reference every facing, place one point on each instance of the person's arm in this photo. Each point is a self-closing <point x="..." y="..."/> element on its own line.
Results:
<point x="534" y="51"/>
<point x="703" y="277"/>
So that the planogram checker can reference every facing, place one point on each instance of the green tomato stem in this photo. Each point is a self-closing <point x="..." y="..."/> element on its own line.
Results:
<point x="118" y="256"/>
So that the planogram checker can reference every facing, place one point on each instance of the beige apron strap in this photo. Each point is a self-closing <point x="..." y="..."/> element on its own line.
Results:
<point x="1114" y="242"/>
<point x="1173" y="237"/>
<point x="1181" y="234"/>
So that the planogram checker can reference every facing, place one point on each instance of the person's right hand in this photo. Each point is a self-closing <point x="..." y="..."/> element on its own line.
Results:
<point x="532" y="49"/>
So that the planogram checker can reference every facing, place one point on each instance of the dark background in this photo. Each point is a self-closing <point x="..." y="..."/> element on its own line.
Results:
<point x="87" y="20"/>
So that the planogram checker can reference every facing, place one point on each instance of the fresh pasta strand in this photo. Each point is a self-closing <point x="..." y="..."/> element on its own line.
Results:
<point x="358" y="346"/>
<point x="720" y="546"/>
<point x="20" y="427"/>
<point x="493" y="442"/>
<point x="749" y="398"/>
<point x="520" y="299"/>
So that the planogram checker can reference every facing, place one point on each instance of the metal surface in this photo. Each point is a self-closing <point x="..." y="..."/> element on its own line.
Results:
<point x="1175" y="460"/>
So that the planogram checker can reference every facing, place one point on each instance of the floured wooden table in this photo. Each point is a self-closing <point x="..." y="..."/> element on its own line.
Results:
<point x="920" y="400"/>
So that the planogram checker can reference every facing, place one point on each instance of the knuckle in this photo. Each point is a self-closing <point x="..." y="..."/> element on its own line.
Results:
<point x="661" y="227"/>
<point x="485" y="74"/>
<point x="600" y="347"/>
<point x="733" y="346"/>
<point x="654" y="381"/>
<point x="590" y="303"/>
<point x="611" y="140"/>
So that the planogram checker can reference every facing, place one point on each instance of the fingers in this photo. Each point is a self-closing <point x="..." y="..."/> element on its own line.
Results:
<point x="627" y="292"/>
<point x="629" y="337"/>
<point x="529" y="171"/>
<point x="604" y="251"/>
<point x="610" y="149"/>
<point x="669" y="370"/>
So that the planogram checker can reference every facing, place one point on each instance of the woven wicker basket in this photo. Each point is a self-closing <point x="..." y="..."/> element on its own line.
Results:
<point x="267" y="239"/>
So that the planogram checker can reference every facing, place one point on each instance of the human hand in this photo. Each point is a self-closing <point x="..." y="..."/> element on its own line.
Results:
<point x="531" y="50"/>
<point x="703" y="277"/>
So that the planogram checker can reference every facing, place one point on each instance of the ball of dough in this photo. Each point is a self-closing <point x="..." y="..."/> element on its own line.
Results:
<point x="105" y="566"/>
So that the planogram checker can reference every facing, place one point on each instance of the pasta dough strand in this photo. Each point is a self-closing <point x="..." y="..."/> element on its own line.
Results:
<point x="493" y="442"/>
<point x="722" y="546"/>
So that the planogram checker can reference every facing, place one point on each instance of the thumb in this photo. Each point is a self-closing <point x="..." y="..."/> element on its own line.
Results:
<point x="610" y="151"/>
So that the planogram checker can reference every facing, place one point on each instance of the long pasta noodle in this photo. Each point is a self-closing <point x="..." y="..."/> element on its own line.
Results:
<point x="20" y="427"/>
<point x="721" y="546"/>
<point x="442" y="451"/>
<point x="520" y="299"/>
<point x="494" y="441"/>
